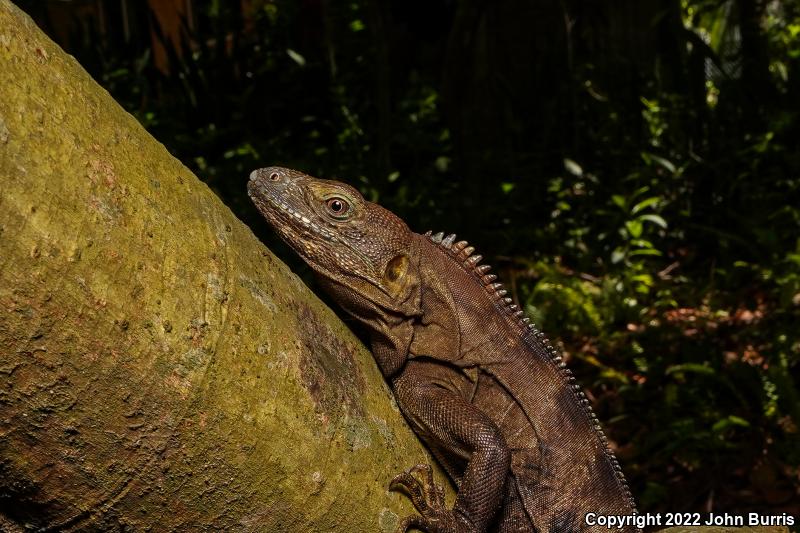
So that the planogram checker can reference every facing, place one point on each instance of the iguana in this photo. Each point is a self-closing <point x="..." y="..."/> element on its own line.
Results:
<point x="482" y="387"/>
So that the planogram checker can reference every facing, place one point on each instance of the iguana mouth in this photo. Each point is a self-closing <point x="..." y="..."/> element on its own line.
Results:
<point x="269" y="201"/>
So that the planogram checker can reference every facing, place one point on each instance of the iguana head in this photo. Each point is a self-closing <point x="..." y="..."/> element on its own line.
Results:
<point x="352" y="243"/>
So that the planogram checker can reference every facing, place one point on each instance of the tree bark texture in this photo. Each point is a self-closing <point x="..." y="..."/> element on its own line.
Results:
<point x="160" y="369"/>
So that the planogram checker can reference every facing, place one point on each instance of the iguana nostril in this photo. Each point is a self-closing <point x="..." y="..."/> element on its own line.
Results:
<point x="274" y="177"/>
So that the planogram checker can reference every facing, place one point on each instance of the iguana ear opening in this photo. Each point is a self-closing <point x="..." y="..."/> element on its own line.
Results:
<point x="394" y="276"/>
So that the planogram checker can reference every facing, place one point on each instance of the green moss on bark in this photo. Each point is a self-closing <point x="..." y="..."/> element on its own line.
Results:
<point x="159" y="368"/>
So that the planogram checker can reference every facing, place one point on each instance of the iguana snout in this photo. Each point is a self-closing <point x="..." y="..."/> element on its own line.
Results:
<point x="286" y="198"/>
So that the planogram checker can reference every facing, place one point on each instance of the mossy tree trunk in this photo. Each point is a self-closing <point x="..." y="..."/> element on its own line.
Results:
<point x="160" y="369"/>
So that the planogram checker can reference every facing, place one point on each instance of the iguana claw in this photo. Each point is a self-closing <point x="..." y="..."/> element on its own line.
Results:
<point x="428" y="499"/>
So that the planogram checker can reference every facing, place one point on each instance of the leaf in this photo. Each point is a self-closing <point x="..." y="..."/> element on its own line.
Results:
<point x="655" y="219"/>
<point x="634" y="228"/>
<point x="644" y="204"/>
<point x="642" y="243"/>
<point x="739" y="421"/>
<point x="507" y="187"/>
<point x="639" y="191"/>
<point x="649" y="104"/>
<point x="645" y="279"/>
<point x="729" y="421"/>
<point x="297" y="58"/>
<point x="666" y="163"/>
<point x="641" y="288"/>
<point x="618" y="200"/>
<point x="646" y="251"/>
<point x="617" y="255"/>
<point x="572" y="167"/>
<point x="695" y="368"/>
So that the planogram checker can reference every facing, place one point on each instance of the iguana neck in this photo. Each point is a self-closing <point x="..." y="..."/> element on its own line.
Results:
<point x="389" y="321"/>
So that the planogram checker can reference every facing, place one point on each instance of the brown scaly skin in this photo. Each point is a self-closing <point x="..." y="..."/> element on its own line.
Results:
<point x="478" y="383"/>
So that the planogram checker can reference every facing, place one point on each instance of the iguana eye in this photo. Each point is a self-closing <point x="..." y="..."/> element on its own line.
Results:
<point x="338" y="207"/>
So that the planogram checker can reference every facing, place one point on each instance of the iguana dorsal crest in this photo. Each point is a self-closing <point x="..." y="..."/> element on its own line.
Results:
<point x="464" y="255"/>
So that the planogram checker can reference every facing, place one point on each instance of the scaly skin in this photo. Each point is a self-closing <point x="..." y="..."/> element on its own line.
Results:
<point x="479" y="384"/>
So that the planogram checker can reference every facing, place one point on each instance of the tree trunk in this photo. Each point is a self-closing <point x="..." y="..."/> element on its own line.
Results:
<point x="160" y="369"/>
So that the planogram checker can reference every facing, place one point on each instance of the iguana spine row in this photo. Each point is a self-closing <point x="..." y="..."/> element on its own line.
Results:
<point x="464" y="255"/>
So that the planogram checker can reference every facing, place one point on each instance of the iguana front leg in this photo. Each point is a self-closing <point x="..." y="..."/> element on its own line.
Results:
<point x="455" y="428"/>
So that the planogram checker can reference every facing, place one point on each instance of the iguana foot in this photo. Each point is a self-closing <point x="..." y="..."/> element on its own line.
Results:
<point x="428" y="499"/>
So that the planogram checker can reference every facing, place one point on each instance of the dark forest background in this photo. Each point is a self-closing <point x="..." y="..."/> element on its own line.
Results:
<point x="631" y="167"/>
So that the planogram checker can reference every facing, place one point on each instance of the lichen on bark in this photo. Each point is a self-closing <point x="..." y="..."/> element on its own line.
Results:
<point x="160" y="369"/>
